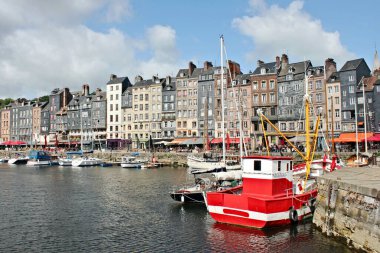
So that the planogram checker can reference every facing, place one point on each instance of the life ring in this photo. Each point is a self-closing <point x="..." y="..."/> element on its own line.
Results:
<point x="311" y="204"/>
<point x="293" y="215"/>
<point x="197" y="187"/>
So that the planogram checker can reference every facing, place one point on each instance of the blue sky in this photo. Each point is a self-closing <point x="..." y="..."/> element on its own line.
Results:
<point x="49" y="44"/>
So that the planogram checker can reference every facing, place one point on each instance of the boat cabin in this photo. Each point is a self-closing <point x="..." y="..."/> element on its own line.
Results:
<point x="267" y="175"/>
<point x="39" y="155"/>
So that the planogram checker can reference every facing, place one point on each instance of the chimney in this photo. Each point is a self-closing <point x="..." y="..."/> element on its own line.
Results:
<point x="168" y="80"/>
<point x="260" y="63"/>
<point x="277" y="62"/>
<point x="234" y="68"/>
<point x="112" y="77"/>
<point x="85" y="89"/>
<point x="98" y="90"/>
<point x="138" y="79"/>
<point x="284" y="61"/>
<point x="330" y="67"/>
<point x="191" y="68"/>
<point x="207" y="65"/>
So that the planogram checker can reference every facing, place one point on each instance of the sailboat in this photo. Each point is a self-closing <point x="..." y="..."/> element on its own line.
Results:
<point x="209" y="162"/>
<point x="270" y="195"/>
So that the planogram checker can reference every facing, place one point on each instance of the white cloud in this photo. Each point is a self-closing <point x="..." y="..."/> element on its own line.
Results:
<point x="291" y="30"/>
<point x="37" y="57"/>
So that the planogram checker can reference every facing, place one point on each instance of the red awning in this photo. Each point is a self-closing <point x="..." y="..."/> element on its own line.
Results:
<point x="351" y="137"/>
<point x="13" y="143"/>
<point x="231" y="141"/>
<point x="375" y="137"/>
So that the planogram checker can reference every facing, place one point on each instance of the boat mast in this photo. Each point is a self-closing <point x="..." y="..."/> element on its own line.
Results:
<point x="222" y="85"/>
<point x="206" y="123"/>
<point x="365" y="117"/>
<point x="356" y="133"/>
<point x="81" y="128"/>
<point x="307" y="126"/>
<point x="332" y="126"/>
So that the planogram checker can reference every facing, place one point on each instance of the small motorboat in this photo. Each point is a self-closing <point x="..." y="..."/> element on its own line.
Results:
<point x="39" y="158"/>
<point x="218" y="181"/>
<point x="86" y="162"/>
<point x="18" y="160"/>
<point x="130" y="162"/>
<point x="4" y="160"/>
<point x="68" y="159"/>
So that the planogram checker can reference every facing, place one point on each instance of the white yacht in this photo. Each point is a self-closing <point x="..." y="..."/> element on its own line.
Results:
<point x="130" y="162"/>
<point x="86" y="161"/>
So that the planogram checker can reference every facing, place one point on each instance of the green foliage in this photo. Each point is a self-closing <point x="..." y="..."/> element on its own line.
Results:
<point x="42" y="99"/>
<point x="4" y="102"/>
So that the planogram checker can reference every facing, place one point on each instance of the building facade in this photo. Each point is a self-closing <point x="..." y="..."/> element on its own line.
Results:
<point x="116" y="86"/>
<point x="168" y="124"/>
<point x="264" y="96"/>
<point x="350" y="75"/>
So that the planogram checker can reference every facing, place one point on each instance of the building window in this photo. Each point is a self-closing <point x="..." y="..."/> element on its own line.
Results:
<point x="271" y="84"/>
<point x="337" y="114"/>
<point x="254" y="85"/>
<point x="263" y="84"/>
<point x="283" y="126"/>
<point x="318" y="84"/>
<point x="336" y="100"/>
<point x="351" y="78"/>
<point x="351" y="89"/>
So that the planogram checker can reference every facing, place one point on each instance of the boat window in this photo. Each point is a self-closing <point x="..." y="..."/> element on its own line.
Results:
<point x="291" y="165"/>
<point x="279" y="165"/>
<point x="257" y="165"/>
<point x="287" y="166"/>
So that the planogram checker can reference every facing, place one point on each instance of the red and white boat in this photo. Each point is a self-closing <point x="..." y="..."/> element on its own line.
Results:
<point x="319" y="166"/>
<point x="268" y="196"/>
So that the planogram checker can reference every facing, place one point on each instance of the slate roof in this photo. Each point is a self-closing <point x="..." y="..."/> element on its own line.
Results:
<point x="299" y="68"/>
<point x="351" y="65"/>
<point x="334" y="77"/>
<point x="271" y="68"/>
<point x="117" y="80"/>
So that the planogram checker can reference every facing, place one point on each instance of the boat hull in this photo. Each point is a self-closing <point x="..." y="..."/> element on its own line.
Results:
<point x="131" y="165"/>
<point x="18" y="161"/>
<point x="65" y="162"/>
<point x="256" y="212"/>
<point x="187" y="197"/>
<point x="86" y="162"/>
<point x="38" y="163"/>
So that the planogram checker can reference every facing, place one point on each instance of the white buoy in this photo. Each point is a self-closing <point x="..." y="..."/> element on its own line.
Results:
<point x="182" y="198"/>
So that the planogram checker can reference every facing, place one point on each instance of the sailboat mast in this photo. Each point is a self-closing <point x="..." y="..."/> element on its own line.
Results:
<point x="222" y="85"/>
<point x="332" y="126"/>
<point x="365" y="117"/>
<point x="356" y="133"/>
<point x="206" y="123"/>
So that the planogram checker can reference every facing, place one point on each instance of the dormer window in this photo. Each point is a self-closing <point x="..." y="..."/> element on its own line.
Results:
<point x="263" y="71"/>
<point x="290" y="70"/>
<point x="289" y="77"/>
<point x="244" y="81"/>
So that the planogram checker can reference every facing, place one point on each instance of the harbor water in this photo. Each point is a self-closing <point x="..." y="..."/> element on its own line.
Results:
<point x="96" y="209"/>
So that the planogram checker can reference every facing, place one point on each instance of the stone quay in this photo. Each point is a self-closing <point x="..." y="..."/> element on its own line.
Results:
<point x="348" y="206"/>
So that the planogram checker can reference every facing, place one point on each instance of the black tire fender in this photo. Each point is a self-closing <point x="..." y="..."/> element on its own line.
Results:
<point x="293" y="215"/>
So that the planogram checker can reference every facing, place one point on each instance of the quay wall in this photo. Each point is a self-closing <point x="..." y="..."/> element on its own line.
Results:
<point x="348" y="206"/>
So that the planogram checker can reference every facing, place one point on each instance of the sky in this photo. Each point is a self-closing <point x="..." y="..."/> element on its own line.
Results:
<point x="55" y="44"/>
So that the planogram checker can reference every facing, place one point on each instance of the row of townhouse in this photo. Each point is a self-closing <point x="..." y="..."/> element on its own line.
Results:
<point x="190" y="104"/>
